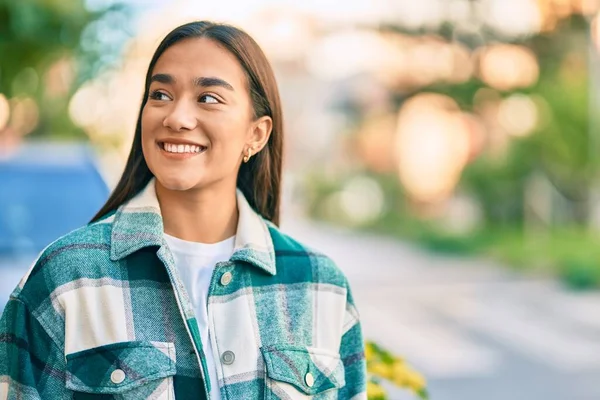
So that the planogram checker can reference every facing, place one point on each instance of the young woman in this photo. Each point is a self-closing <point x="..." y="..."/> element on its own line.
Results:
<point x="182" y="286"/>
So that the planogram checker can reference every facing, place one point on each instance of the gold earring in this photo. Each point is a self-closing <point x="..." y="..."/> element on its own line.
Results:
<point x="248" y="155"/>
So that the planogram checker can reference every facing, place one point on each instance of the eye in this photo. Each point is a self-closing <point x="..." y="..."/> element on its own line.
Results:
<point x="208" y="98"/>
<point x="158" y="95"/>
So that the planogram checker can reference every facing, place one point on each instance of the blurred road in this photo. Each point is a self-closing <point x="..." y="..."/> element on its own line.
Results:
<point x="476" y="330"/>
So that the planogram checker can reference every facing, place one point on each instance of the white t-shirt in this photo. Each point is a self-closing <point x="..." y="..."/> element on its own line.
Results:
<point x="196" y="263"/>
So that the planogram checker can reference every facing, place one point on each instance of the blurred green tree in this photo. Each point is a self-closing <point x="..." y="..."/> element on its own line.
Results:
<point x="561" y="149"/>
<point x="47" y="48"/>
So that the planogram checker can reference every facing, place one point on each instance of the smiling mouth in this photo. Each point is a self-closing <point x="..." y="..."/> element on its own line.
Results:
<point x="178" y="148"/>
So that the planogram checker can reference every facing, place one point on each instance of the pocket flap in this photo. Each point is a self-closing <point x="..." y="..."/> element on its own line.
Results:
<point x="308" y="369"/>
<point x="118" y="367"/>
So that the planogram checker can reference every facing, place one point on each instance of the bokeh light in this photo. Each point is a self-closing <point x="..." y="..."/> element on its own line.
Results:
<point x="4" y="111"/>
<point x="432" y="146"/>
<point x="513" y="18"/>
<point x="518" y="115"/>
<point x="24" y="116"/>
<point x="506" y="66"/>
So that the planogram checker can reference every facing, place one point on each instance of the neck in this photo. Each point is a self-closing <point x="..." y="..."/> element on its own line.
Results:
<point x="207" y="215"/>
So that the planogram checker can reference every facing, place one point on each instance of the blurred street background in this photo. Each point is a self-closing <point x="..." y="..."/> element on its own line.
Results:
<point x="445" y="153"/>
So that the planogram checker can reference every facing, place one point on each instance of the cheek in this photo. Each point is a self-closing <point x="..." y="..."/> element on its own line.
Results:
<point x="228" y="132"/>
<point x="149" y="120"/>
<point x="148" y="125"/>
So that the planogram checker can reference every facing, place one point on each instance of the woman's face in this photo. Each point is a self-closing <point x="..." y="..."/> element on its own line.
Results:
<point x="197" y="121"/>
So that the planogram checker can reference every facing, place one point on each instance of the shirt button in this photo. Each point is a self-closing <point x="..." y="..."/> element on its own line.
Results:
<point x="117" y="376"/>
<point x="309" y="379"/>
<point x="228" y="357"/>
<point x="226" y="278"/>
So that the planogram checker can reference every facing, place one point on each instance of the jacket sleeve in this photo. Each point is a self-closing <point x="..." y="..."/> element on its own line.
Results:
<point x="31" y="364"/>
<point x="352" y="352"/>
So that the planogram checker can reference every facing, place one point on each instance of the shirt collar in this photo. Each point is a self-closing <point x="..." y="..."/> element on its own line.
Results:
<point x="138" y="223"/>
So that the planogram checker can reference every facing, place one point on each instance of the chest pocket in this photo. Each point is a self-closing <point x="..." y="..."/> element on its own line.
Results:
<point x="126" y="370"/>
<point x="295" y="372"/>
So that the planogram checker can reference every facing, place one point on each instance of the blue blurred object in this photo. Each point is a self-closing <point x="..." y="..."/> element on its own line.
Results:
<point x="46" y="191"/>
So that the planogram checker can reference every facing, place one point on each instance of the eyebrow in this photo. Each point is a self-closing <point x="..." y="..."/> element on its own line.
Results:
<point x="212" y="81"/>
<point x="202" y="81"/>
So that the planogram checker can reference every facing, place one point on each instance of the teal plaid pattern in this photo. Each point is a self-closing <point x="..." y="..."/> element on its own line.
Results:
<point x="103" y="314"/>
<point x="143" y="364"/>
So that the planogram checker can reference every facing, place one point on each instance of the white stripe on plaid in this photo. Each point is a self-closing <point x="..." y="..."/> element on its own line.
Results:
<point x="235" y="335"/>
<point x="94" y="315"/>
<point x="327" y="329"/>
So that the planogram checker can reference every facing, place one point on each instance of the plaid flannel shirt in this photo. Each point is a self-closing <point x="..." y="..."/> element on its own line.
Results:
<point x="103" y="314"/>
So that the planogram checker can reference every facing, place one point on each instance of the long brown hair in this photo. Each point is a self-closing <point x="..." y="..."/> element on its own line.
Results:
<point x="260" y="178"/>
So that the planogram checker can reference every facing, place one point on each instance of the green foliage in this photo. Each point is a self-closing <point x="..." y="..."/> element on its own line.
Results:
<point x="581" y="272"/>
<point x="563" y="148"/>
<point x="34" y="34"/>
<point x="499" y="185"/>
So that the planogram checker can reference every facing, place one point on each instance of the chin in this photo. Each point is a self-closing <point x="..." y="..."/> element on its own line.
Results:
<point x="177" y="183"/>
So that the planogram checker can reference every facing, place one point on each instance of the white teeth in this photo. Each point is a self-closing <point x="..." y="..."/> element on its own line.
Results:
<point x="181" y="148"/>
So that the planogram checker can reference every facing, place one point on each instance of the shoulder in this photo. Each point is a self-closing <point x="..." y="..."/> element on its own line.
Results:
<point x="296" y="258"/>
<point x="62" y="260"/>
<point x="79" y="243"/>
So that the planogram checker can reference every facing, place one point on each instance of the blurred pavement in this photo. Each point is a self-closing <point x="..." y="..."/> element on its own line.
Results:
<point x="476" y="330"/>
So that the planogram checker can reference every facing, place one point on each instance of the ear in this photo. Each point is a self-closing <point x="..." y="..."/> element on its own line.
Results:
<point x="260" y="133"/>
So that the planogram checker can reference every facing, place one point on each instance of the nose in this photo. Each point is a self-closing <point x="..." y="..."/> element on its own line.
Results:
<point x="181" y="117"/>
